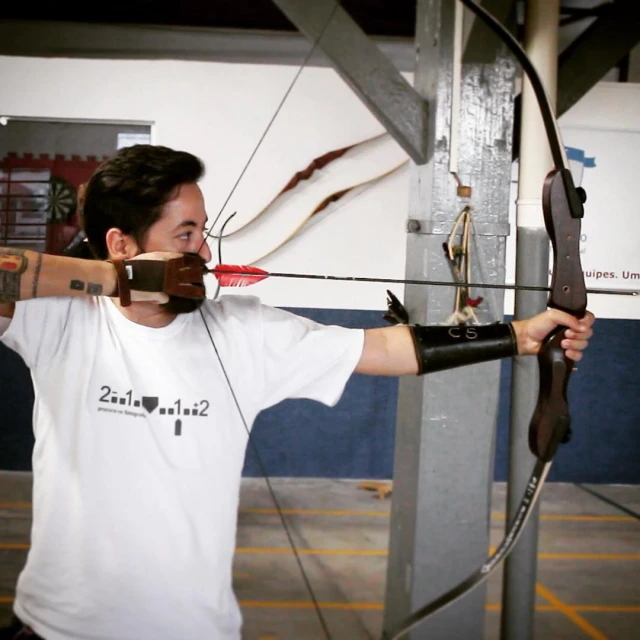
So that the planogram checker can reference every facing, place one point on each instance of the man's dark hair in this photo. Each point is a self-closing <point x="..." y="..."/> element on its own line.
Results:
<point x="128" y="191"/>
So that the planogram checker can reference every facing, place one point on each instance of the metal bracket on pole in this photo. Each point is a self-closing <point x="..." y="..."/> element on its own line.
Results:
<point x="432" y="228"/>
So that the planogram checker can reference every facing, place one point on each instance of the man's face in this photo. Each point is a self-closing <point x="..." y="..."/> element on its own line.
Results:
<point x="181" y="229"/>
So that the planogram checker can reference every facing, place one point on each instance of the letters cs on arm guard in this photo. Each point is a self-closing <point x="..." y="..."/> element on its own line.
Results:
<point x="440" y="347"/>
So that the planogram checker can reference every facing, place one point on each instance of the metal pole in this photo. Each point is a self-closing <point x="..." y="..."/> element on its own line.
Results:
<point x="442" y="476"/>
<point x="532" y="265"/>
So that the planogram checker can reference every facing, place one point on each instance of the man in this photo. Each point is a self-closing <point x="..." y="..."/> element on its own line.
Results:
<point x="136" y="420"/>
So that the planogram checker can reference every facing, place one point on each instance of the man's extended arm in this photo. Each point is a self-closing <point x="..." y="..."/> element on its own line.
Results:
<point x="26" y="274"/>
<point x="393" y="351"/>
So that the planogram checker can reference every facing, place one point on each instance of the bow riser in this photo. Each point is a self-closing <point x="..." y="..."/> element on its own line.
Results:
<point x="562" y="209"/>
<point x="551" y="422"/>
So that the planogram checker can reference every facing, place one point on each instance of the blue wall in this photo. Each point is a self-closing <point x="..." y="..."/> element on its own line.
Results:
<point x="355" y="438"/>
<point x="16" y="402"/>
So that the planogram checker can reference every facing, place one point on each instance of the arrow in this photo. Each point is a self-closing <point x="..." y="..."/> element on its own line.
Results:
<point x="233" y="275"/>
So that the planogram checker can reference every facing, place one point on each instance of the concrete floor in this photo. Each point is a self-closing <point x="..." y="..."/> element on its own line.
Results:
<point x="588" y="571"/>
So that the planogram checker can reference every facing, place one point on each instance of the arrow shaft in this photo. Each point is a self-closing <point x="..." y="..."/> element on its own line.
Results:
<point x="435" y="283"/>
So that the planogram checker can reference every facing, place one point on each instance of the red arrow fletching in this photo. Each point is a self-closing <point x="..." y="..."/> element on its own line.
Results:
<point x="238" y="275"/>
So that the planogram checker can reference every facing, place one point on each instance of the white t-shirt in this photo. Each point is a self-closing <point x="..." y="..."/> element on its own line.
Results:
<point x="139" y="449"/>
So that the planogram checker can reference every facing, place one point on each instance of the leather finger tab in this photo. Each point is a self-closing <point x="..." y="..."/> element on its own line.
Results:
<point x="184" y="277"/>
<point x="147" y="275"/>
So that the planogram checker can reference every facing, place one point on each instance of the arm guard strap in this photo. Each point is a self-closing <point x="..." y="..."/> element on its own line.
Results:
<point x="441" y="347"/>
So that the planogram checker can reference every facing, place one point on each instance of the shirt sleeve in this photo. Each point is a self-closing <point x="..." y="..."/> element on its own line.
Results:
<point x="36" y="329"/>
<point x="305" y="359"/>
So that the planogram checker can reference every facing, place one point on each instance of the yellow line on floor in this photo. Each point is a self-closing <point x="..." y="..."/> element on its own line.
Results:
<point x="596" y="608"/>
<point x="377" y="514"/>
<point x="386" y="514"/>
<point x="262" y="604"/>
<point x="13" y="545"/>
<point x="378" y="606"/>
<point x="383" y="552"/>
<point x="570" y="613"/>
<point x="583" y="556"/>
<point x="539" y="607"/>
<point x="550" y="516"/>
<point x="314" y="552"/>
<point x="319" y="512"/>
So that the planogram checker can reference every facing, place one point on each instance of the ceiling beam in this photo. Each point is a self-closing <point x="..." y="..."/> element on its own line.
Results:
<point x="56" y="39"/>
<point x="599" y="48"/>
<point x="369" y="73"/>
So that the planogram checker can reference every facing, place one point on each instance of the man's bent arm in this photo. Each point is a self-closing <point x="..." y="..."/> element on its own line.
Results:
<point x="26" y="274"/>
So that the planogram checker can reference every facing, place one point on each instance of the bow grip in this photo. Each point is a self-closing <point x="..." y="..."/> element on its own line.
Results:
<point x="551" y="423"/>
<point x="562" y="209"/>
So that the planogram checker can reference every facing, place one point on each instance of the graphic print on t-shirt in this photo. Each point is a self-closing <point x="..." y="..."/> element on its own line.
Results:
<point x="129" y="404"/>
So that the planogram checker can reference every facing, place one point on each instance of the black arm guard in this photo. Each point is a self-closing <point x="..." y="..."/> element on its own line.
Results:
<point x="441" y="347"/>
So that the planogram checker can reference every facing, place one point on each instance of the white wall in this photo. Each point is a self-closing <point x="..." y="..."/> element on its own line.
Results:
<point x="218" y="111"/>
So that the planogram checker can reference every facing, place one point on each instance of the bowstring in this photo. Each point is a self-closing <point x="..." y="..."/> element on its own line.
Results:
<point x="303" y="573"/>
<point x="255" y="448"/>
<point x="226" y="222"/>
<point x="272" y="120"/>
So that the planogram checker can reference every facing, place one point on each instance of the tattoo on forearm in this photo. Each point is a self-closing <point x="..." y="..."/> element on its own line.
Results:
<point x="36" y="277"/>
<point x="13" y="263"/>
<point x="93" y="289"/>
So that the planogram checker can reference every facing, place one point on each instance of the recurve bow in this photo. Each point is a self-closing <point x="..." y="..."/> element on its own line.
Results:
<point x="562" y="204"/>
<point x="550" y="425"/>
